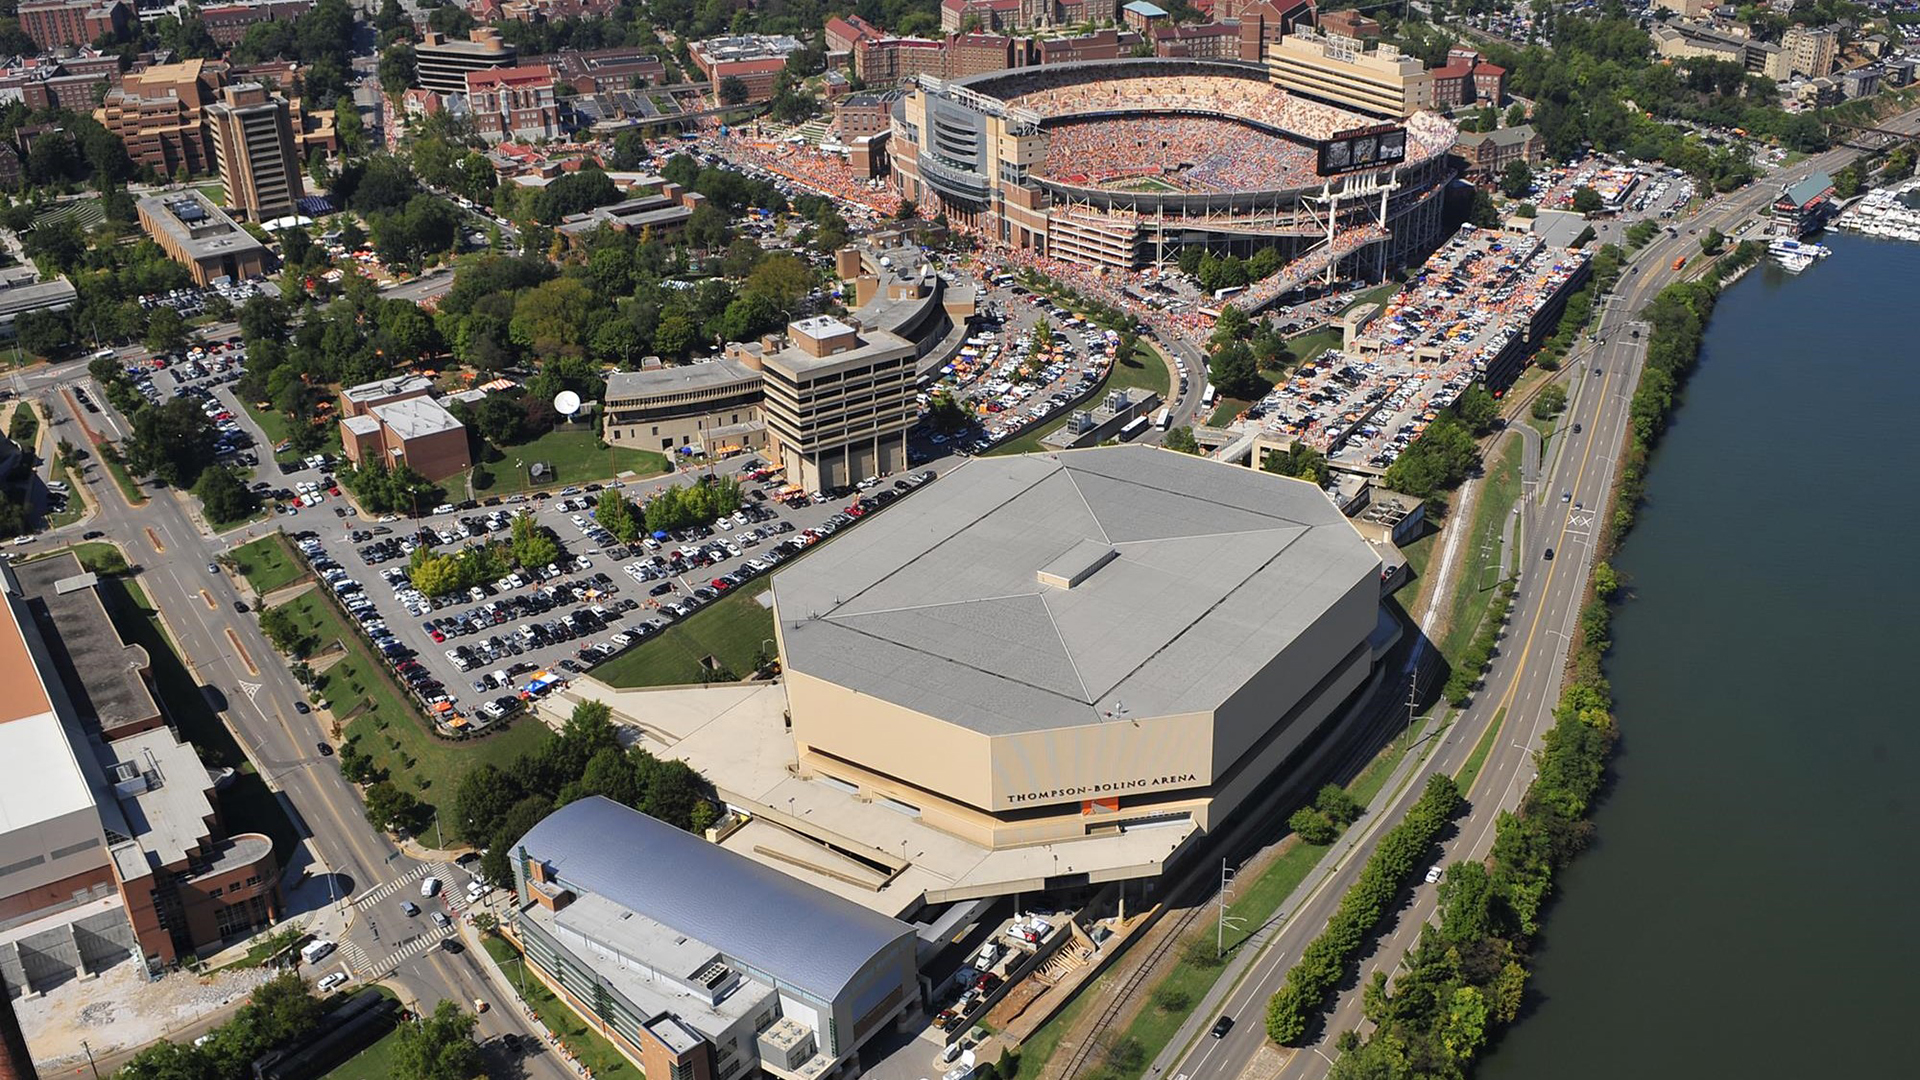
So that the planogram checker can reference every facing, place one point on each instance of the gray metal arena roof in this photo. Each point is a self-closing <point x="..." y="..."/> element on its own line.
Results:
<point x="801" y="935"/>
<point x="1048" y="590"/>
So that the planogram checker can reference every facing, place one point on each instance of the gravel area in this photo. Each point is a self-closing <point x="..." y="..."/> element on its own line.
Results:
<point x="121" y="1010"/>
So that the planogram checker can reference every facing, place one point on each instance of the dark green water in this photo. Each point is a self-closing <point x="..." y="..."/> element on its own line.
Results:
<point x="1748" y="909"/>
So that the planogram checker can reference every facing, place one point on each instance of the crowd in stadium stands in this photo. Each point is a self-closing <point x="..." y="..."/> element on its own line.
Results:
<point x="1295" y="274"/>
<point x="1248" y="99"/>
<point x="1201" y="154"/>
<point x="819" y="171"/>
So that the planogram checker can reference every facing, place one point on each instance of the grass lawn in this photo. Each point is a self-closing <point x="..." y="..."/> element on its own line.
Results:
<point x="1479" y="579"/>
<point x="247" y="804"/>
<point x="267" y="563"/>
<point x="586" y="1044"/>
<point x="277" y="428"/>
<point x="731" y="629"/>
<point x="576" y="455"/>
<point x="1470" y="769"/>
<point x="376" y="1061"/>
<point x="122" y="477"/>
<point x="386" y="726"/>
<point x="1143" y="370"/>
<point x="216" y="193"/>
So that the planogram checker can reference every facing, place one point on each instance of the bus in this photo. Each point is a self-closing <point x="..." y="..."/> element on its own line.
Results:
<point x="1679" y="262"/>
<point x="1134" y="427"/>
<point x="1161" y="420"/>
<point x="1207" y="396"/>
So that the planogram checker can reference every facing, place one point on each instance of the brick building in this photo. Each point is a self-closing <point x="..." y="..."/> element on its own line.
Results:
<point x="52" y="23"/>
<point x="397" y="422"/>
<point x="228" y="23"/>
<point x="604" y="71"/>
<point x="159" y="114"/>
<point x="515" y="103"/>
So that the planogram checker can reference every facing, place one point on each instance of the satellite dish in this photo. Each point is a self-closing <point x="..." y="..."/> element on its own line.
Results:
<point x="566" y="403"/>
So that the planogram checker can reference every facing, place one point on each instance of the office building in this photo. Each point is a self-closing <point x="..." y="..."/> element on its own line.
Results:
<point x="839" y="400"/>
<point x="160" y="115"/>
<point x="711" y="407"/>
<point x="1340" y="70"/>
<point x="52" y="23"/>
<point x="112" y="842"/>
<point x="605" y="71"/>
<point x="1487" y="154"/>
<point x="514" y="104"/>
<point x="1059" y="648"/>
<point x="754" y="59"/>
<point x="201" y="237"/>
<point x="697" y="962"/>
<point x="256" y="153"/>
<point x="442" y="65"/>
<point x="397" y="422"/>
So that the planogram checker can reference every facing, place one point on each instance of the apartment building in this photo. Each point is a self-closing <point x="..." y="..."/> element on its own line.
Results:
<point x="255" y="150"/>
<point x="160" y="115"/>
<point x="1810" y="50"/>
<point x="515" y="103"/>
<point x="442" y="64"/>
<point x="1380" y="81"/>
<point x="51" y="23"/>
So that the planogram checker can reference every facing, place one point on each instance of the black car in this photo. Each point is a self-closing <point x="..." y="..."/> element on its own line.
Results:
<point x="301" y="708"/>
<point x="240" y="606"/>
<point x="1222" y="1026"/>
<point x="1548" y="555"/>
<point x="93" y="535"/>
<point x="326" y="749"/>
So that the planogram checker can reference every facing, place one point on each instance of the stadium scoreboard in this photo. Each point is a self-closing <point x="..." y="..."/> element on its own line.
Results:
<point x="1363" y="148"/>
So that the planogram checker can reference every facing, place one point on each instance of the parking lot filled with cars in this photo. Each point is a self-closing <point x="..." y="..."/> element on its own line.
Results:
<point x="475" y="657"/>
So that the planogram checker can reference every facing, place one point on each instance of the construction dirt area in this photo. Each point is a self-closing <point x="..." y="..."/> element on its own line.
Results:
<point x="119" y="1009"/>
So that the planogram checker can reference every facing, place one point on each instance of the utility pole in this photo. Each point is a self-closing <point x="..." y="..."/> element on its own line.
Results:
<point x="1220" y="929"/>
<point x="1413" y="698"/>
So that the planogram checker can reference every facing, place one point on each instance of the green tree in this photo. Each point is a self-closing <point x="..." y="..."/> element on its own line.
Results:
<point x="1312" y="826"/>
<point x="532" y="543"/>
<point x="733" y="91"/>
<point x="1712" y="241"/>
<point x="1181" y="439"/>
<point x="225" y="496"/>
<point x="389" y="808"/>
<point x="497" y="866"/>
<point x="1300" y="461"/>
<point x="438" y="1046"/>
<point x="173" y="442"/>
<point x="1587" y="201"/>
<point x="1517" y="180"/>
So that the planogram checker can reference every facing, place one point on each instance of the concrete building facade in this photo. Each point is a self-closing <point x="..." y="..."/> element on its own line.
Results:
<point x="442" y="64"/>
<point x="254" y="148"/>
<point x="1058" y="646"/>
<point x="712" y="407"/>
<point x="1341" y="70"/>
<point x="201" y="237"/>
<point x="839" y="401"/>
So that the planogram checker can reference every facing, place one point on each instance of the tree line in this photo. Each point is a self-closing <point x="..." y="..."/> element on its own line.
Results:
<point x="1291" y="1011"/>
<point x="495" y="807"/>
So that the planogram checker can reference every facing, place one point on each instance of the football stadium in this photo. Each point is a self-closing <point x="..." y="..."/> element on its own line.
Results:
<point x="1121" y="163"/>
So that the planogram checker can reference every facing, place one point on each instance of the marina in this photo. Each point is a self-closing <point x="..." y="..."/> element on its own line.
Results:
<point x="1889" y="213"/>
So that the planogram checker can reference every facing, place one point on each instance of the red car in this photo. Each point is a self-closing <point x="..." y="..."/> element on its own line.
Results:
<point x="720" y="584"/>
<point x="436" y="635"/>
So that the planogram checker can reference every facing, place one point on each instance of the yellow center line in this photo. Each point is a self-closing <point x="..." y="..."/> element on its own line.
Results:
<point x="1546" y="590"/>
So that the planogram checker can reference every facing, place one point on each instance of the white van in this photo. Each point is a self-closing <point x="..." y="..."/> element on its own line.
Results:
<point x="315" y="951"/>
<point x="429" y="886"/>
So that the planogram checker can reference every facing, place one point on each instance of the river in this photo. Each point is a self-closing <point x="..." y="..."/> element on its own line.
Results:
<point x="1747" y="908"/>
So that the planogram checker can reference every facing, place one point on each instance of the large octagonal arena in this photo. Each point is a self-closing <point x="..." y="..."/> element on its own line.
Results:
<point x="1060" y="643"/>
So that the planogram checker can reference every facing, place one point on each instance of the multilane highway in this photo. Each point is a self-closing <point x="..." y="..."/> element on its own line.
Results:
<point x="1524" y="682"/>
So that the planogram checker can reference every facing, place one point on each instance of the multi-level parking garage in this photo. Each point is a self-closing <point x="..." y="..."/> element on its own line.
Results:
<point x="1122" y="163"/>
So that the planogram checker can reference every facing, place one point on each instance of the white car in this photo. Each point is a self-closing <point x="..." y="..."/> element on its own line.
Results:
<point x="333" y="980"/>
<point x="1434" y="873"/>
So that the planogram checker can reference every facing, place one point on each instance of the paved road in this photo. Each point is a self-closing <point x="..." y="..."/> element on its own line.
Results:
<point x="171" y="551"/>
<point x="1525" y="680"/>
